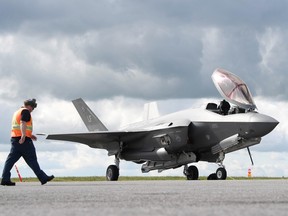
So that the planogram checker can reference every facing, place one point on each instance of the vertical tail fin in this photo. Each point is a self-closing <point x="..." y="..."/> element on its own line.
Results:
<point x="91" y="121"/>
<point x="150" y="111"/>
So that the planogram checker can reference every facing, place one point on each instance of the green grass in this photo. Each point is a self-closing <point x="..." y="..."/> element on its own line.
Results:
<point x="138" y="178"/>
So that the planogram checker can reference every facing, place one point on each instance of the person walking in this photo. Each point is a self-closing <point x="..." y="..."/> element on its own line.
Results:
<point x="22" y="144"/>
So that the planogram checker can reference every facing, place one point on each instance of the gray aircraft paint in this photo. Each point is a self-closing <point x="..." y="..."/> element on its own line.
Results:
<point x="183" y="137"/>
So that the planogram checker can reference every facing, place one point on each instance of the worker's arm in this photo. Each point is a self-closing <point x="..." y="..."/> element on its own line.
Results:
<point x="33" y="137"/>
<point x="23" y="127"/>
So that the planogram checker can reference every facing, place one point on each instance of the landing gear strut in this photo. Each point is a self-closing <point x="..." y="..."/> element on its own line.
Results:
<point x="191" y="172"/>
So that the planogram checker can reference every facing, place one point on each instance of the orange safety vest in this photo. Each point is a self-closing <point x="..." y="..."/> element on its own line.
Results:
<point x="16" y="131"/>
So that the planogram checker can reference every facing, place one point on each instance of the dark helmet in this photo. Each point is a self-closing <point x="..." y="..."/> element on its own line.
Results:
<point x="31" y="102"/>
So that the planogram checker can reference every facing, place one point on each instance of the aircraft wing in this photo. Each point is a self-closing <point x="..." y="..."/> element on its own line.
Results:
<point x="102" y="140"/>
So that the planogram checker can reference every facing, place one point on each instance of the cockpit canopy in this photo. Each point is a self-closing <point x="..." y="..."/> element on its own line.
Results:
<point x="233" y="89"/>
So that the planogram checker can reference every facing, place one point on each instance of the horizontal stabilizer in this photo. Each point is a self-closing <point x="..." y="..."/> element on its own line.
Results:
<point x="91" y="121"/>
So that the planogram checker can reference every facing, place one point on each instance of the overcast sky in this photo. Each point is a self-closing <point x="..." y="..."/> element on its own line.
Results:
<point x="119" y="54"/>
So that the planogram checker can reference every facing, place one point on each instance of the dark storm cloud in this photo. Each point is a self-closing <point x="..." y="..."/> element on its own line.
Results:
<point x="143" y="49"/>
<point x="76" y="16"/>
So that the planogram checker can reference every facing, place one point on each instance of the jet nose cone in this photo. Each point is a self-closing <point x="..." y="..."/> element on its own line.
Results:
<point x="270" y="125"/>
<point x="262" y="124"/>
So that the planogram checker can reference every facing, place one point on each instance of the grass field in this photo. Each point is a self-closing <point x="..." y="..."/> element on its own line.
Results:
<point x="138" y="178"/>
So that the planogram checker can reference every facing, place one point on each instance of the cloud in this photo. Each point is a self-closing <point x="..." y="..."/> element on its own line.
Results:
<point x="169" y="48"/>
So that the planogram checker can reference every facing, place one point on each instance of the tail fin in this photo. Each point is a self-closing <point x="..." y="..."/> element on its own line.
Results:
<point x="150" y="111"/>
<point x="89" y="118"/>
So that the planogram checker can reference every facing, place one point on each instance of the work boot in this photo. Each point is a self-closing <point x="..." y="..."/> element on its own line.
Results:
<point x="8" y="183"/>
<point x="49" y="178"/>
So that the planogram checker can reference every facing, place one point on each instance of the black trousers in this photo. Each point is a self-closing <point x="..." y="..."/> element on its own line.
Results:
<point x="28" y="152"/>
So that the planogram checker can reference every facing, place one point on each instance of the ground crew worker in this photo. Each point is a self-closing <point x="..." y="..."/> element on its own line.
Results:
<point x="22" y="144"/>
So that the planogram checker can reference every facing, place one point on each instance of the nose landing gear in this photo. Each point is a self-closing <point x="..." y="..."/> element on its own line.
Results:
<point x="221" y="173"/>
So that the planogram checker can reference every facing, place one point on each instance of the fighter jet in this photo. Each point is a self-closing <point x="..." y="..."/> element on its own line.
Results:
<point x="184" y="137"/>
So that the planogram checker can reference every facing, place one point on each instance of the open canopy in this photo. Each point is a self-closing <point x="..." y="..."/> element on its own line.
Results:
<point x="233" y="89"/>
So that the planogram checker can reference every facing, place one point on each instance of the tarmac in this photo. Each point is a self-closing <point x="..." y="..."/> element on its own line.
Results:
<point x="230" y="197"/>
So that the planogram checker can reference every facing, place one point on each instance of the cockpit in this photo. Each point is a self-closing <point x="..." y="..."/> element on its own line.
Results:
<point x="234" y="91"/>
<point x="224" y="108"/>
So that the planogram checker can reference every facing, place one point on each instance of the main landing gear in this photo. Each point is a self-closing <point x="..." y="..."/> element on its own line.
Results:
<point x="112" y="172"/>
<point x="191" y="172"/>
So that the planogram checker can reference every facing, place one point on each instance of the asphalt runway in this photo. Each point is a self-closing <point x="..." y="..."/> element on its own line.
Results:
<point x="230" y="197"/>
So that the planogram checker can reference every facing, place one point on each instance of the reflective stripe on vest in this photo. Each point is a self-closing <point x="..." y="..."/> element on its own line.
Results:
<point x="16" y="131"/>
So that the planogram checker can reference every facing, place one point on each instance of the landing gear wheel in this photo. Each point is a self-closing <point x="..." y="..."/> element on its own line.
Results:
<point x="212" y="176"/>
<point x="221" y="173"/>
<point x="112" y="173"/>
<point x="192" y="173"/>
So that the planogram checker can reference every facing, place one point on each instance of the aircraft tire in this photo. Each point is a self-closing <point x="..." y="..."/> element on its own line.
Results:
<point x="192" y="173"/>
<point x="212" y="176"/>
<point x="112" y="173"/>
<point x="221" y="173"/>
